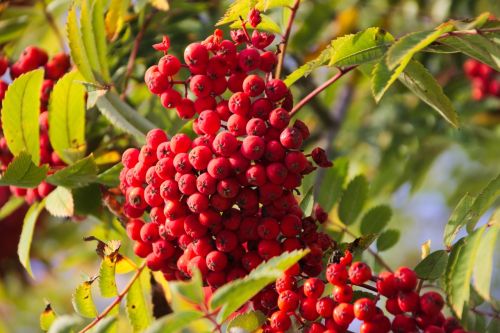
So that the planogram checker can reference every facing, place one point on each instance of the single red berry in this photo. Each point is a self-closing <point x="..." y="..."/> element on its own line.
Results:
<point x="342" y="293"/>
<point x="196" y="55"/>
<point x="276" y="89"/>
<point x="408" y="301"/>
<point x="325" y="306"/>
<point x="280" y="321"/>
<point x="336" y="274"/>
<point x="308" y="309"/>
<point x="239" y="103"/>
<point x="431" y="303"/>
<point x="343" y="314"/>
<point x="387" y="284"/>
<point x="216" y="261"/>
<point x="406" y="279"/>
<point x="403" y="324"/>
<point x="359" y="273"/>
<point x="279" y="118"/>
<point x="169" y="65"/>
<point x="288" y="301"/>
<point x="249" y="59"/>
<point x="364" y="309"/>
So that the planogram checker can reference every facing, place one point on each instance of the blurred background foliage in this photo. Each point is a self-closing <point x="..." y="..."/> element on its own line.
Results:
<point x="413" y="159"/>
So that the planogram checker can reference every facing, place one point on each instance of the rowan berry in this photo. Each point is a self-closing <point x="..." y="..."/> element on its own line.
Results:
<point x="364" y="309"/>
<point x="406" y="279"/>
<point x="343" y="314"/>
<point x="431" y="303"/>
<point x="325" y="306"/>
<point x="280" y="321"/>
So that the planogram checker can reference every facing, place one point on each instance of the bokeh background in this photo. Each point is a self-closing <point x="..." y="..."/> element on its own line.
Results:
<point x="414" y="160"/>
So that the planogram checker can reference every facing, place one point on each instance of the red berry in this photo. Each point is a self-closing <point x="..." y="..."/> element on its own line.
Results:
<point x="313" y="287"/>
<point x="276" y="89"/>
<point x="342" y="294"/>
<point x="288" y="301"/>
<point x="408" y="301"/>
<point x="343" y="314"/>
<point x="406" y="279"/>
<point x="359" y="273"/>
<point x="431" y="303"/>
<point x="387" y="284"/>
<point x="249" y="59"/>
<point x="169" y="65"/>
<point x="308" y="309"/>
<point x="325" y="306"/>
<point x="364" y="309"/>
<point x="280" y="321"/>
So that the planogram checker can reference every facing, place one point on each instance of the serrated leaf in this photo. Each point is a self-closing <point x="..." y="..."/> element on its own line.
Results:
<point x="107" y="283"/>
<point x="110" y="177"/>
<point x="307" y="202"/>
<point x="88" y="38"/>
<point x="365" y="46"/>
<point x="457" y="219"/>
<point x="11" y="206"/>
<point x="353" y="200"/>
<point x="387" y="239"/>
<point x="106" y="325"/>
<point x="267" y="24"/>
<point x="264" y="5"/>
<point x="307" y="68"/>
<point x="47" y="317"/>
<point x="65" y="324"/>
<point x="115" y="18"/>
<point x="459" y="271"/>
<point x="236" y="9"/>
<point x="23" y="248"/>
<point x="376" y="219"/>
<point x="137" y="311"/>
<point x="60" y="203"/>
<point x="234" y="294"/>
<point x="482" y="202"/>
<point x="483" y="268"/>
<point x="20" y="110"/>
<point x="191" y="290"/>
<point x="77" y="175"/>
<point x="333" y="184"/>
<point x="249" y="322"/>
<point x="67" y="117"/>
<point x="381" y="79"/>
<point x="401" y="52"/>
<point x="433" y="266"/>
<point x="416" y="78"/>
<point x="481" y="47"/>
<point x="82" y="300"/>
<point x="174" y="322"/>
<point x="100" y="37"/>
<point x="22" y="172"/>
<point x="122" y="116"/>
<point x="76" y="46"/>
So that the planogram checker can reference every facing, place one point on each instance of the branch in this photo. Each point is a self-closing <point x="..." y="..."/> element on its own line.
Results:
<point x="286" y="37"/>
<point x="135" y="50"/>
<point x="117" y="300"/>
<point x="319" y="89"/>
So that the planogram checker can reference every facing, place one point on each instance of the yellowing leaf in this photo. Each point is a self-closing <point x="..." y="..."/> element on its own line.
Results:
<point x="115" y="18"/>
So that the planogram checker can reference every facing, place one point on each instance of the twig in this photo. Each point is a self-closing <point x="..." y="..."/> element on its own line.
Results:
<point x="135" y="50"/>
<point x="53" y="25"/>
<point x="469" y="32"/>
<point x="117" y="300"/>
<point x="484" y="313"/>
<point x="377" y="257"/>
<point x="326" y="84"/>
<point x="286" y="37"/>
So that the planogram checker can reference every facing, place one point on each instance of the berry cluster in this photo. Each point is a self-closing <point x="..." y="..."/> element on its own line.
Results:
<point x="32" y="58"/>
<point x="304" y="301"/>
<point x="485" y="80"/>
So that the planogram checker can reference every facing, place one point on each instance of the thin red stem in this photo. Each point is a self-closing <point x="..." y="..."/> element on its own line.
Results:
<point x="319" y="89"/>
<point x="286" y="37"/>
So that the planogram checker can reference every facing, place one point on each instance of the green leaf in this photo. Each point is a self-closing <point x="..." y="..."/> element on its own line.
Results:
<point x="65" y="324"/>
<point x="353" y="200"/>
<point x="20" y="110"/>
<point x="267" y="24"/>
<point x="47" y="317"/>
<point x="60" y="202"/>
<point x="376" y="219"/>
<point x="88" y="200"/>
<point x="23" y="248"/>
<point x="481" y="47"/>
<point x="107" y="283"/>
<point x="22" y="172"/>
<point x="67" y="117"/>
<point x="249" y="321"/>
<point x="137" y="311"/>
<point x="11" y="206"/>
<point x="307" y="68"/>
<point x="100" y="37"/>
<point x="115" y="18"/>
<point x="433" y="266"/>
<point x="113" y="109"/>
<point x="88" y="37"/>
<point x="459" y="271"/>
<point x="264" y="5"/>
<point x="307" y="202"/>
<point x="110" y="177"/>
<point x="482" y="202"/>
<point x="77" y="175"/>
<point x="483" y="268"/>
<point x="236" y="9"/>
<point x="494" y="326"/>
<point x="191" y="290"/>
<point x="82" y="300"/>
<point x="236" y="293"/>
<point x="361" y="243"/>
<point x="401" y="52"/>
<point x="106" y="325"/>
<point x="387" y="239"/>
<point x="416" y="78"/>
<point x="77" y="47"/>
<point x="457" y="219"/>
<point x="365" y="46"/>
<point x="174" y="322"/>
<point x="381" y="79"/>
<point x="333" y="184"/>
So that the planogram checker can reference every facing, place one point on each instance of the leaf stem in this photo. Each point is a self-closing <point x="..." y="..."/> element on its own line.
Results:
<point x="286" y="37"/>
<point x="117" y="300"/>
<point x="135" y="50"/>
<point x="326" y="84"/>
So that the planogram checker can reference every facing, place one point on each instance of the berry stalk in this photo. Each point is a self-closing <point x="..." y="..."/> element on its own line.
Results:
<point x="284" y="44"/>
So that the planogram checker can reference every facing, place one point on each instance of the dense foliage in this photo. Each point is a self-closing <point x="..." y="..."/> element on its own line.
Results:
<point x="259" y="176"/>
